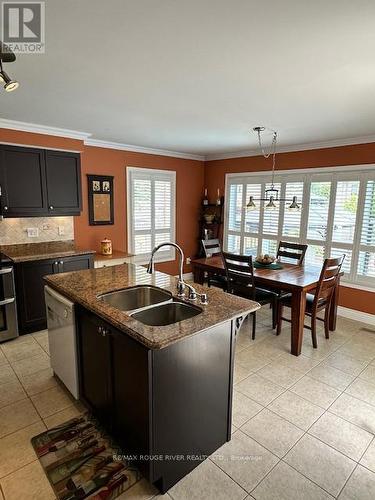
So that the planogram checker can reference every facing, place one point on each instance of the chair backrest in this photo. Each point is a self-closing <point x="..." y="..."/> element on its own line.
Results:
<point x="294" y="251"/>
<point x="211" y="247"/>
<point x="239" y="270"/>
<point x="328" y="279"/>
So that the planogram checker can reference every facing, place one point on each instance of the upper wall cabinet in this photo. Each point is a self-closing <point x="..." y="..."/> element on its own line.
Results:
<point x="22" y="181"/>
<point x="63" y="178"/>
<point x="37" y="182"/>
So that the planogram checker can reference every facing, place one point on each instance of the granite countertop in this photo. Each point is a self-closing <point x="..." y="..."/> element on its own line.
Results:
<point x="116" y="254"/>
<point x="83" y="287"/>
<point x="39" y="251"/>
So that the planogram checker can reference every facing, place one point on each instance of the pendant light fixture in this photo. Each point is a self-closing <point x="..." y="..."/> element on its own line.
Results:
<point x="272" y="197"/>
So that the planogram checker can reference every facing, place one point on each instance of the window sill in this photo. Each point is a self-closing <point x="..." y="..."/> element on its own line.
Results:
<point x="356" y="286"/>
<point x="141" y="260"/>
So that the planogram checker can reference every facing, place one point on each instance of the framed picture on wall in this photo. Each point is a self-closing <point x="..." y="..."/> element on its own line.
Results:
<point x="100" y="189"/>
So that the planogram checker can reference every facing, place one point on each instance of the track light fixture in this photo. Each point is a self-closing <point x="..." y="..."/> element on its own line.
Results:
<point x="6" y="55"/>
<point x="9" y="84"/>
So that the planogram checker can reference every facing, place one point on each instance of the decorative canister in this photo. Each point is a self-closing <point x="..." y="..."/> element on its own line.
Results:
<point x="106" y="246"/>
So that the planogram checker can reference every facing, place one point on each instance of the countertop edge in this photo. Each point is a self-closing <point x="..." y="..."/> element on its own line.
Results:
<point x="134" y="334"/>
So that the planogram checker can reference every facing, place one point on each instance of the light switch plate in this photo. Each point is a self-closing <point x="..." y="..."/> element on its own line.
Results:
<point x="32" y="232"/>
<point x="61" y="230"/>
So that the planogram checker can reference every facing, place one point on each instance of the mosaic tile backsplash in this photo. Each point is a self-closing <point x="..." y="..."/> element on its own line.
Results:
<point x="14" y="231"/>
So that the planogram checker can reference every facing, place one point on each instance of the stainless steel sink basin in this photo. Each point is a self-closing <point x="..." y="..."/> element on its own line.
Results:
<point x="136" y="297"/>
<point x="167" y="314"/>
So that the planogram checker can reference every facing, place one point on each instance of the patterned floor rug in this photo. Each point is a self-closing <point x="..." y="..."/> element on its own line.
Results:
<point x="78" y="458"/>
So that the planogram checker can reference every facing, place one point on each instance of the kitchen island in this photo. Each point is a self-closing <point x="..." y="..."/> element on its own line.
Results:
<point x="162" y="387"/>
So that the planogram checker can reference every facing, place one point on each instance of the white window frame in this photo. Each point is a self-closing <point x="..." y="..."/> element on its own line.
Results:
<point x="361" y="173"/>
<point x="169" y="254"/>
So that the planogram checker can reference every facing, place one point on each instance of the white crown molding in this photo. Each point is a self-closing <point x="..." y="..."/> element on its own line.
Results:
<point x="84" y="136"/>
<point x="140" y="149"/>
<point x="43" y="129"/>
<point x="294" y="148"/>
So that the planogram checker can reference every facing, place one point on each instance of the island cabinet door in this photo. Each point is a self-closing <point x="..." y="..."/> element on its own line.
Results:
<point x="131" y="403"/>
<point x="94" y="364"/>
<point x="192" y="393"/>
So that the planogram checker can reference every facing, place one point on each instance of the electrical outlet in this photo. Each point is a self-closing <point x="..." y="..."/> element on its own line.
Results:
<point x="32" y="232"/>
<point x="61" y="230"/>
<point x="45" y="227"/>
<point x="188" y="260"/>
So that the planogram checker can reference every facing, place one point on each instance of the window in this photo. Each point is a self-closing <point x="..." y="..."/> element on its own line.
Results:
<point x="337" y="217"/>
<point x="151" y="212"/>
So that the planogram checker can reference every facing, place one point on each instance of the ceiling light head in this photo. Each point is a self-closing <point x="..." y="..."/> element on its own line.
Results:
<point x="11" y="85"/>
<point x="271" y="204"/>
<point x="251" y="205"/>
<point x="294" y="207"/>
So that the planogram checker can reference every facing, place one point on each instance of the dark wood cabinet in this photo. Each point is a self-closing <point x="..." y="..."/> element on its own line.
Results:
<point x="37" y="182"/>
<point x="95" y="380"/>
<point x="174" y="401"/>
<point x="22" y="181"/>
<point x="76" y="263"/>
<point x="30" y="288"/>
<point x="63" y="179"/>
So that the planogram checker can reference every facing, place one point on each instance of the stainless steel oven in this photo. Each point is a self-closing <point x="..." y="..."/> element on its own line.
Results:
<point x="8" y="306"/>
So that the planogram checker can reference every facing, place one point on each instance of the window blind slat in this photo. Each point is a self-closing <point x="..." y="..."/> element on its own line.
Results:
<point x="292" y="220"/>
<point x="368" y="224"/>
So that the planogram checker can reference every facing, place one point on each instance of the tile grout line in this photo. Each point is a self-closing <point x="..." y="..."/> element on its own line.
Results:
<point x="226" y="473"/>
<point x="306" y="431"/>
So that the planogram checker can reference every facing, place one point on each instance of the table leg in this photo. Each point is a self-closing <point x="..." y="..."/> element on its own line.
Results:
<point x="198" y="274"/>
<point x="298" y="320"/>
<point x="333" y="308"/>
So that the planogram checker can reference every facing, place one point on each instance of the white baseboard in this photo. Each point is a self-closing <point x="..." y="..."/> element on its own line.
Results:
<point x="355" y="315"/>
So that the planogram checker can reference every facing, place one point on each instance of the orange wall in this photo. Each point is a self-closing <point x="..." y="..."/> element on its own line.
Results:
<point x="94" y="160"/>
<point x="189" y="185"/>
<point x="215" y="171"/>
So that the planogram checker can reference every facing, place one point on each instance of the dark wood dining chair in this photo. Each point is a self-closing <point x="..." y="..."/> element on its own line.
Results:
<point x="317" y="301"/>
<point x="212" y="247"/>
<point x="240" y="281"/>
<point x="292" y="251"/>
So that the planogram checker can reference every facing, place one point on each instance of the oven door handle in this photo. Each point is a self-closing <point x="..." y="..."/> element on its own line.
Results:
<point x="6" y="270"/>
<point x="5" y="302"/>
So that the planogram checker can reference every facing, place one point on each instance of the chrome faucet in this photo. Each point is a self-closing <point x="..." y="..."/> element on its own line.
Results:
<point x="181" y="284"/>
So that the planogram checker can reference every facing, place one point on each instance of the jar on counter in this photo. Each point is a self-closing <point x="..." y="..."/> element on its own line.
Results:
<point x="106" y="246"/>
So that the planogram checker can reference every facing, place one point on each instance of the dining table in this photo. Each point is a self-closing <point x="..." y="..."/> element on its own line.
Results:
<point x="298" y="280"/>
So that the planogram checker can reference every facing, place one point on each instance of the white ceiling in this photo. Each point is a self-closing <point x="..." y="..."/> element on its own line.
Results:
<point x="195" y="75"/>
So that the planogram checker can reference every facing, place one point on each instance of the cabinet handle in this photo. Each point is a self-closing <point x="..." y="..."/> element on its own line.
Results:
<point x="61" y="262"/>
<point x="51" y="207"/>
<point x="103" y="331"/>
<point x="5" y="208"/>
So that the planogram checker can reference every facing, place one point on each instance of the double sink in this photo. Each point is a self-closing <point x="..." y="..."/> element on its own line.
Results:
<point x="150" y="305"/>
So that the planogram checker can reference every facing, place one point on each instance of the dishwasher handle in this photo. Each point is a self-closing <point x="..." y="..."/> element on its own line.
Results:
<point x="5" y="302"/>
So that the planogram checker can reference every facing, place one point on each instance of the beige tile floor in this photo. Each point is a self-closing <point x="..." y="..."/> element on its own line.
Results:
<point x="303" y="428"/>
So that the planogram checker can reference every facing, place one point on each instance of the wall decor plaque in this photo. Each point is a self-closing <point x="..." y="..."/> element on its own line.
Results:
<point x="100" y="199"/>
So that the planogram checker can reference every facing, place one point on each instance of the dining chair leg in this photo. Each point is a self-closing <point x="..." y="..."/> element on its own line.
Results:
<point x="254" y="325"/>
<point x="313" y="332"/>
<point x="326" y="320"/>
<point x="274" y="312"/>
<point x="280" y="309"/>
